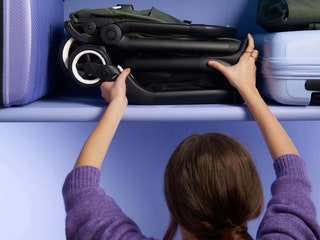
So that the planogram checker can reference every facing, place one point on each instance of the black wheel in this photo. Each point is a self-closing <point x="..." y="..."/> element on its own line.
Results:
<point x="82" y="55"/>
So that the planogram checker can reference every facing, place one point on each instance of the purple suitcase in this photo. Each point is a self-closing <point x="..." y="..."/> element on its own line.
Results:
<point x="31" y="32"/>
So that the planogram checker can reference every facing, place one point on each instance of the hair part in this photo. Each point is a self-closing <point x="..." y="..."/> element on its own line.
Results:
<point x="212" y="188"/>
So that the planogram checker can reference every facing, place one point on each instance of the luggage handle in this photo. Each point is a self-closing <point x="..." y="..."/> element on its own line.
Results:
<point x="312" y="85"/>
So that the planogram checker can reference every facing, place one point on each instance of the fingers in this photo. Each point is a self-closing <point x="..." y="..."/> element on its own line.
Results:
<point x="120" y="79"/>
<point x="251" y="52"/>
<point x="123" y="75"/>
<point x="109" y="90"/>
<point x="218" y="66"/>
<point x="254" y="54"/>
<point x="250" y="47"/>
<point x="105" y="90"/>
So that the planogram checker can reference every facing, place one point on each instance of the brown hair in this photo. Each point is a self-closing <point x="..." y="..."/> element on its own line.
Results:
<point x="212" y="188"/>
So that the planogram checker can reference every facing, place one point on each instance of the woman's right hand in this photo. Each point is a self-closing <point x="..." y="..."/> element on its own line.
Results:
<point x="243" y="77"/>
<point x="243" y="74"/>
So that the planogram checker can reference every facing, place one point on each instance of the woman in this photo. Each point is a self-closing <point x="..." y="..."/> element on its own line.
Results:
<point x="211" y="184"/>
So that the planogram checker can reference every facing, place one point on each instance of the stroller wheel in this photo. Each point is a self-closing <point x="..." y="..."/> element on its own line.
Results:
<point x="82" y="55"/>
<point x="67" y="47"/>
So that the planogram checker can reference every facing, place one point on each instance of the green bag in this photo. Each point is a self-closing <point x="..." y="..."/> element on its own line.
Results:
<point x="288" y="15"/>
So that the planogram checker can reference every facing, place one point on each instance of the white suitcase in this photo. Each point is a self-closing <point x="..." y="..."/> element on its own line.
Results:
<point x="289" y="66"/>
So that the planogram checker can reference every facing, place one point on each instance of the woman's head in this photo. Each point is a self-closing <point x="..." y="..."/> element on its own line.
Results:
<point x="212" y="188"/>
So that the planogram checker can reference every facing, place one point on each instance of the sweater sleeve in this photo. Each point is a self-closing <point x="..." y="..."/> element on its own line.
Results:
<point x="91" y="214"/>
<point x="290" y="213"/>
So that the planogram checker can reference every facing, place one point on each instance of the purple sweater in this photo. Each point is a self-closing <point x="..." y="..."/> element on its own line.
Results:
<point x="290" y="214"/>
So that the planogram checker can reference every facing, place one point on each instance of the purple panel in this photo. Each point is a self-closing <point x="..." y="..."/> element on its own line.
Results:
<point x="28" y="27"/>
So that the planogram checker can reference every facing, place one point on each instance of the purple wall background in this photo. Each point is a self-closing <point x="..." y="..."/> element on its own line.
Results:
<point x="35" y="157"/>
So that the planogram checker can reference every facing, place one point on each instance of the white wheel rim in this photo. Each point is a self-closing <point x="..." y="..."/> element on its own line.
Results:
<point x="66" y="51"/>
<point x="75" y="70"/>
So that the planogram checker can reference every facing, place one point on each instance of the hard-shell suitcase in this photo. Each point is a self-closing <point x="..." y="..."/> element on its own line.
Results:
<point x="30" y="32"/>
<point x="289" y="66"/>
<point x="168" y="57"/>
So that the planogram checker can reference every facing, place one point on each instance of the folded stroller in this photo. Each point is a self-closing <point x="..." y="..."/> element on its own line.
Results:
<point x="168" y="57"/>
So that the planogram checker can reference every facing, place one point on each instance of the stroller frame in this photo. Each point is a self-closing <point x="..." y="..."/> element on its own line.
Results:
<point x="162" y="47"/>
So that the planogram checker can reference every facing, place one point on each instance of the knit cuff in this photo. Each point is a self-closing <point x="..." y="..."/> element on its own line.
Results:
<point x="290" y="165"/>
<point x="80" y="178"/>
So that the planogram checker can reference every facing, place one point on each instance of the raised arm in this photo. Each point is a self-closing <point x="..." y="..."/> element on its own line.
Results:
<point x="94" y="150"/>
<point x="243" y="77"/>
